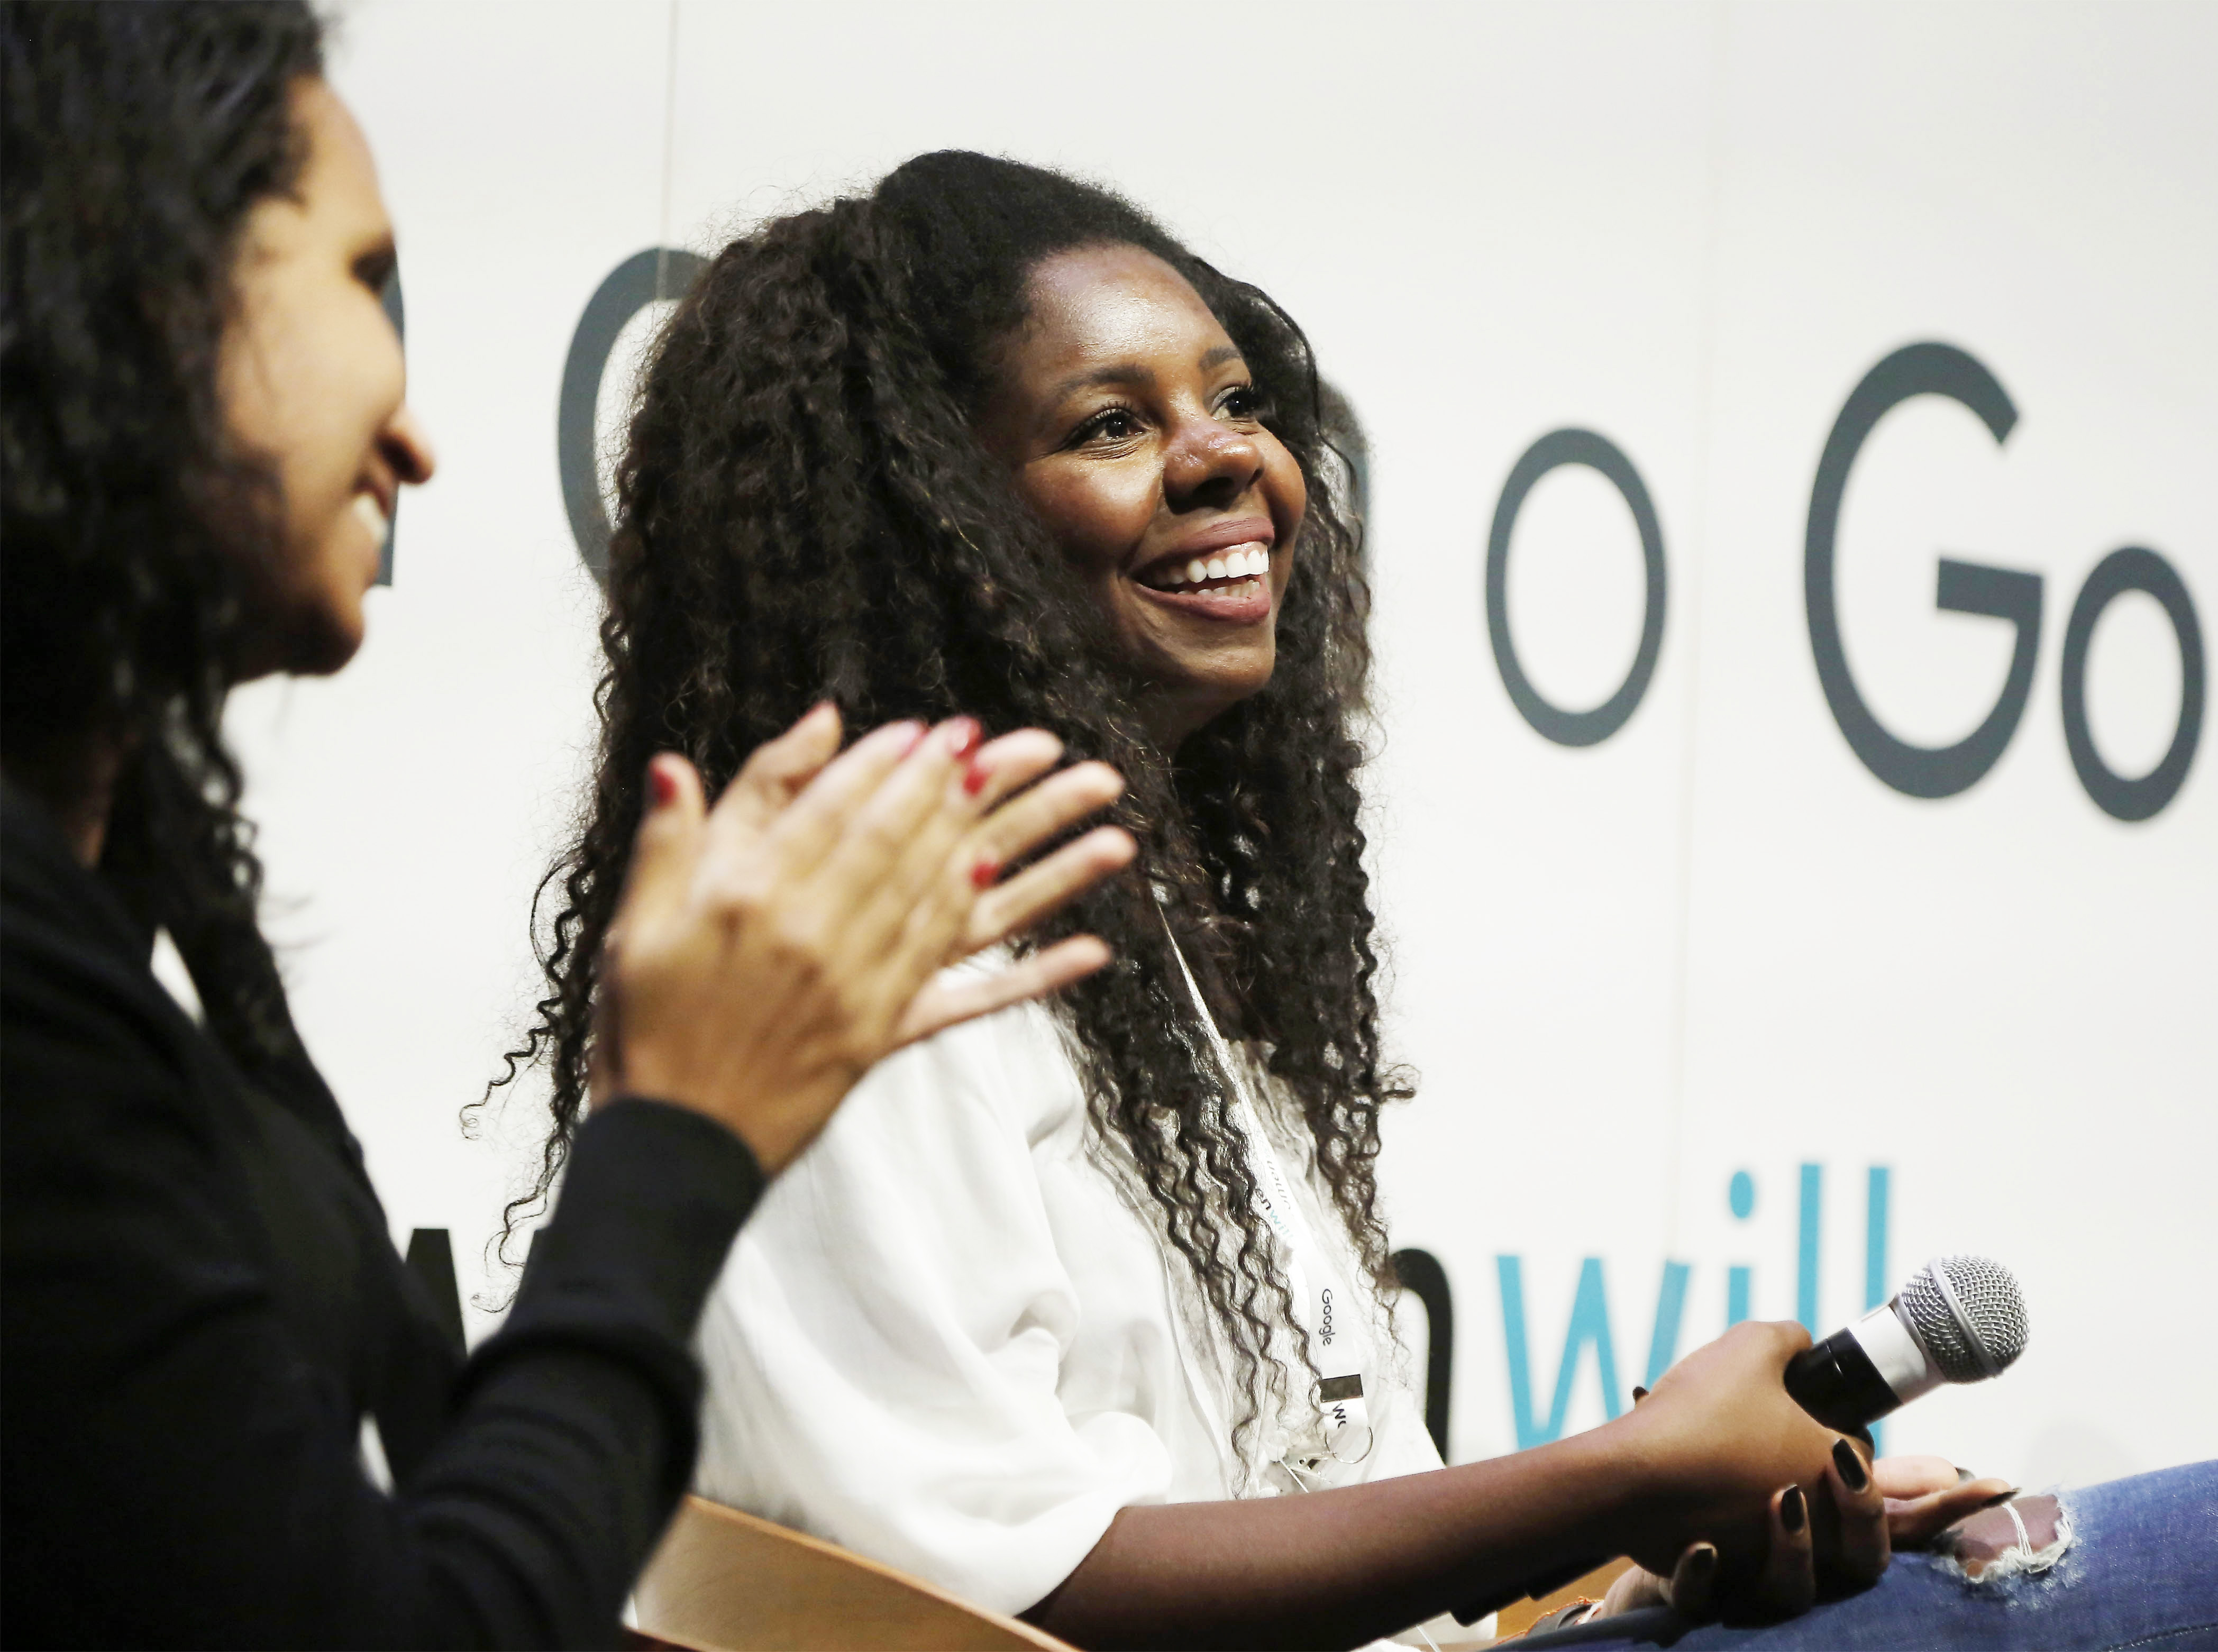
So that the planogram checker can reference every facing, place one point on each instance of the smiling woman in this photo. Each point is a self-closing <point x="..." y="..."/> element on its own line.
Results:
<point x="311" y="376"/>
<point x="1131" y="425"/>
<point x="1080" y="1312"/>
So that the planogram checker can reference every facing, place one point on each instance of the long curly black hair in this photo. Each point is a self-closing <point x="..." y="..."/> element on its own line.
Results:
<point x="135" y="542"/>
<point x="804" y="511"/>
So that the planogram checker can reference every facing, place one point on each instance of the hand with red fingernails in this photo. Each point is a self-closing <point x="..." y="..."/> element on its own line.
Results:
<point x="770" y="949"/>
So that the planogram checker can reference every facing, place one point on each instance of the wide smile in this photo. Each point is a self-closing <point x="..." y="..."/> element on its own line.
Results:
<point x="373" y="506"/>
<point x="1228" y="583"/>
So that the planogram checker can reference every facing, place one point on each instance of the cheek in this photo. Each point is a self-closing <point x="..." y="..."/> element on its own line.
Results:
<point x="1097" y="514"/>
<point x="1284" y="491"/>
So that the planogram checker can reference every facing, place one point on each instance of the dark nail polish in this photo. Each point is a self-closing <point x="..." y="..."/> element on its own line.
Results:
<point x="1703" y="1562"/>
<point x="1638" y="1393"/>
<point x="1853" y="1473"/>
<point x="1793" y="1509"/>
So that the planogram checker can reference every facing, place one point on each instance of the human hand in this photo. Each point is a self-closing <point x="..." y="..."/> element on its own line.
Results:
<point x="1731" y="1463"/>
<point x="1007" y="908"/>
<point x="768" y="951"/>
<point x="1925" y="1495"/>
<point x="1797" y="1560"/>
<point x="1918" y="1497"/>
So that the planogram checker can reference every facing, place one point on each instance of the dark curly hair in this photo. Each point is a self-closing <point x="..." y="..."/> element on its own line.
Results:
<point x="134" y="539"/>
<point x="804" y="511"/>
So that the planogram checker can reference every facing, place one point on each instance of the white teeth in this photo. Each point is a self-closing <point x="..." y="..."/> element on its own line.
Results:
<point x="1217" y="567"/>
<point x="366" y="507"/>
<point x="1196" y="571"/>
<point x="1236" y="564"/>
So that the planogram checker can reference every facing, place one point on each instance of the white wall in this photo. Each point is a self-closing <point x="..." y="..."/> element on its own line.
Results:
<point x="1714" y="942"/>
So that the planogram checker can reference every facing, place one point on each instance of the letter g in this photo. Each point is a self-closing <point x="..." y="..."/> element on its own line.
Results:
<point x="1963" y="587"/>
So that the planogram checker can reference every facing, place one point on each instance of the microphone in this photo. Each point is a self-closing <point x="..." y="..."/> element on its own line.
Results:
<point x="1960" y="1319"/>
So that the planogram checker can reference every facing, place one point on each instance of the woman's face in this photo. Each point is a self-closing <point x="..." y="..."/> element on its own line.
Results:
<point x="1133" y="426"/>
<point x="311" y="381"/>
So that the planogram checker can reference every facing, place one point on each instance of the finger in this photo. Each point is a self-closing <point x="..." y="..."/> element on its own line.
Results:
<point x="1011" y="908"/>
<point x="941" y="1005"/>
<point x="816" y="823"/>
<point x="1689" y="1591"/>
<point x="1000" y="766"/>
<point x="1788" y="1583"/>
<point x="1859" y="1552"/>
<point x="1914" y="1523"/>
<point x="895" y="869"/>
<point x="1915" y="1477"/>
<point x="774" y="775"/>
<point x="1062" y="800"/>
<point x="1632" y="1589"/>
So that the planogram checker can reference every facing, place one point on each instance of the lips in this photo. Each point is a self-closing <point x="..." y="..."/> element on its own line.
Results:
<point x="1234" y="548"/>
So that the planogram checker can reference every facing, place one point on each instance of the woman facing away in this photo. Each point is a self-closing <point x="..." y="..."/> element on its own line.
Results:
<point x="211" y="1352"/>
<point x="1078" y="1311"/>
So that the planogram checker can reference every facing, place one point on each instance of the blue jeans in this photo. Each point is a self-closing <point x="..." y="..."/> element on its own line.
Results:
<point x="2142" y="1572"/>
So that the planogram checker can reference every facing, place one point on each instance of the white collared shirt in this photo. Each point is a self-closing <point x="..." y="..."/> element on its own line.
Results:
<point x="950" y="1339"/>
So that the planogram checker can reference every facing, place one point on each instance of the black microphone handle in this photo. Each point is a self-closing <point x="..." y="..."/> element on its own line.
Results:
<point x="1836" y="1382"/>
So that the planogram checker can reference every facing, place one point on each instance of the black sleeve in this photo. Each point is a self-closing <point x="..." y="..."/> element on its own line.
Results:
<point x="178" y="1471"/>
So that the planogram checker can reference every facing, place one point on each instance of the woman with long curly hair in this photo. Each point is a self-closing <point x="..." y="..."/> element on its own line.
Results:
<point x="233" y="1418"/>
<point x="1079" y="1311"/>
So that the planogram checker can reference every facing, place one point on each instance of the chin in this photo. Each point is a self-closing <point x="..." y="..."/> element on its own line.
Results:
<point x="321" y="640"/>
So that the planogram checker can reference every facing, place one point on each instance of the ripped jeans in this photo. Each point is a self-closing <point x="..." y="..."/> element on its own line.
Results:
<point x="2141" y="1571"/>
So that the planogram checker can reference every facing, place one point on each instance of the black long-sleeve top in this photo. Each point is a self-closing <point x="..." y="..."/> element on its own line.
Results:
<point x="201" y="1302"/>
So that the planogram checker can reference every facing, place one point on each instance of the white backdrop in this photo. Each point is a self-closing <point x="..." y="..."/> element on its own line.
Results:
<point x="1714" y="943"/>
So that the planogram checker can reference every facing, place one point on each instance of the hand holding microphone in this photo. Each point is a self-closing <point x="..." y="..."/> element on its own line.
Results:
<point x="1960" y="1319"/>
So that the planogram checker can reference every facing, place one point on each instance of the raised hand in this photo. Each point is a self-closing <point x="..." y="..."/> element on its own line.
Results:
<point x="769" y="951"/>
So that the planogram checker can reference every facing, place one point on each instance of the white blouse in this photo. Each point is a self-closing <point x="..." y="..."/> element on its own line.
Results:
<point x="950" y="1339"/>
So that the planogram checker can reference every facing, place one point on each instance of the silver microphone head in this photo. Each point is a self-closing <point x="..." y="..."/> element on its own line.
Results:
<point x="1966" y="1312"/>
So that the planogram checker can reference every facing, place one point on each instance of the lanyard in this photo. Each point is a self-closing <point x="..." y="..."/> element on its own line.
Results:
<point x="1333" y="1317"/>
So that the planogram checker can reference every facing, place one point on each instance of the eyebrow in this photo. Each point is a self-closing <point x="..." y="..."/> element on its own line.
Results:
<point x="1134" y="372"/>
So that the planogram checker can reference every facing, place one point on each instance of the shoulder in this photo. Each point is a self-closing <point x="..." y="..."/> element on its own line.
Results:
<point x="1010" y="1073"/>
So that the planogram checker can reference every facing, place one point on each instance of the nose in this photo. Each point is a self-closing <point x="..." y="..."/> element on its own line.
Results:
<point x="1208" y="462"/>
<point x="406" y="448"/>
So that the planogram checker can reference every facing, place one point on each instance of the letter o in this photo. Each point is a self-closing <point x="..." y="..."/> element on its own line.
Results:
<point x="395" y="311"/>
<point x="1557" y="448"/>
<point x="2133" y="568"/>
<point x="638" y="281"/>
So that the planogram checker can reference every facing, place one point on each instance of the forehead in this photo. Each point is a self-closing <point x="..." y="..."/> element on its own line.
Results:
<point x="1093" y="305"/>
<point x="339" y="180"/>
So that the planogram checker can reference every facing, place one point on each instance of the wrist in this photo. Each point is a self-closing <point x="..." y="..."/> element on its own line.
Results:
<point x="1650" y="1492"/>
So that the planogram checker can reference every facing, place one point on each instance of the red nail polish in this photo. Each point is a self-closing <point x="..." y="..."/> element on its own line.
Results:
<point x="660" y="784"/>
<point x="985" y="872"/>
<point x="967" y="734"/>
<point x="974" y="780"/>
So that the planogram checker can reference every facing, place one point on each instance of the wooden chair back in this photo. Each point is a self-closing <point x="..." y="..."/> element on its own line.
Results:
<point x="724" y="1581"/>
